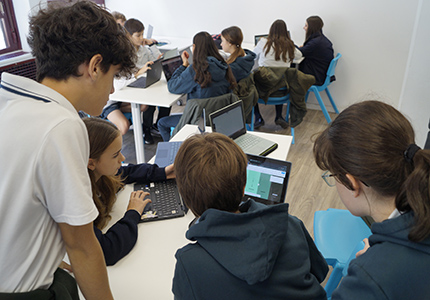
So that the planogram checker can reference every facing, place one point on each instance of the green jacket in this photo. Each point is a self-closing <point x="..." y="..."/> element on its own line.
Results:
<point x="247" y="92"/>
<point x="268" y="81"/>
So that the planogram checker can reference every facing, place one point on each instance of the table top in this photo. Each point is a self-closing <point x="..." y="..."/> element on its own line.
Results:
<point x="156" y="94"/>
<point x="147" y="271"/>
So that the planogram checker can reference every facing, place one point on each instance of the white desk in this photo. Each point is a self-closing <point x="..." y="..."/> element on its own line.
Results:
<point x="155" y="95"/>
<point x="174" y="42"/>
<point x="147" y="271"/>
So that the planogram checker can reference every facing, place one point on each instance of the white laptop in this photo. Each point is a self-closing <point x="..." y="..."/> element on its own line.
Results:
<point x="230" y="121"/>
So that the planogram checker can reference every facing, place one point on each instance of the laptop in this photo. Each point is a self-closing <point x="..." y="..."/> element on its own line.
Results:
<point x="190" y="52"/>
<point x="230" y="121"/>
<point x="166" y="151"/>
<point x="267" y="179"/>
<point x="258" y="37"/>
<point x="170" y="53"/>
<point x="166" y="203"/>
<point x="170" y="65"/>
<point x="149" y="32"/>
<point x="152" y="76"/>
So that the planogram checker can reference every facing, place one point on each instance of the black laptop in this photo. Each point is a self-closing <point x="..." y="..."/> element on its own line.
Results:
<point x="170" y="65"/>
<point x="152" y="76"/>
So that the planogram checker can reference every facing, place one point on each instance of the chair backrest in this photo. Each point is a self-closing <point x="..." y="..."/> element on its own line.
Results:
<point x="331" y="69"/>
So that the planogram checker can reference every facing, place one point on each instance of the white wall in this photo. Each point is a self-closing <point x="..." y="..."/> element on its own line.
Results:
<point x="383" y="43"/>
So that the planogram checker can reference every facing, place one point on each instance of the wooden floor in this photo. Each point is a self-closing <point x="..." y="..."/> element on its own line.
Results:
<point x="306" y="192"/>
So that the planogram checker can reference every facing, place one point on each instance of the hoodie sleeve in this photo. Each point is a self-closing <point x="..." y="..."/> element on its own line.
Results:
<point x="181" y="288"/>
<point x="118" y="241"/>
<point x="142" y="173"/>
<point x="358" y="285"/>
<point x="182" y="81"/>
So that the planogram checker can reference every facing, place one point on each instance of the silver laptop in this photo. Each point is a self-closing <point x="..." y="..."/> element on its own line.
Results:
<point x="149" y="32"/>
<point x="189" y="51"/>
<point x="152" y="76"/>
<point x="230" y="121"/>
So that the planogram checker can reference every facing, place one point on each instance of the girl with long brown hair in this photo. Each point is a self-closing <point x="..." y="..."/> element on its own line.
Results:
<point x="277" y="50"/>
<point x="370" y="155"/>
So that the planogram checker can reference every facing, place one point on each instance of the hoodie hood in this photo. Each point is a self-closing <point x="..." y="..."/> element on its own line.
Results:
<point x="217" y="69"/>
<point x="246" y="244"/>
<point x="396" y="231"/>
<point x="242" y="66"/>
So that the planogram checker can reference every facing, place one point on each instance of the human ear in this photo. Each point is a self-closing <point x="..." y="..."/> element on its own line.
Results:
<point x="91" y="164"/>
<point x="356" y="189"/>
<point x="94" y="67"/>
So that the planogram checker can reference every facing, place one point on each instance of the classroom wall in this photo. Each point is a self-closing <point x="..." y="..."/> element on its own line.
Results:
<point x="383" y="43"/>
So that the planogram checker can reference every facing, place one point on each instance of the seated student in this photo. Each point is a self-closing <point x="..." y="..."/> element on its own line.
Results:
<point x="240" y="60"/>
<point x="119" y="17"/>
<point x="114" y="110"/>
<point x="208" y="76"/>
<point x="371" y="156"/>
<point x="277" y="50"/>
<point x="239" y="251"/>
<point x="107" y="178"/>
<point x="317" y="50"/>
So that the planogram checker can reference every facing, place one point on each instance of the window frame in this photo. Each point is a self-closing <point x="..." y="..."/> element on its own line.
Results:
<point x="7" y="13"/>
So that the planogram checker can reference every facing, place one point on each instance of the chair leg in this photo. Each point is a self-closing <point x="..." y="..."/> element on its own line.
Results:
<point x="306" y="97"/>
<point x="251" y="128"/>
<point x="287" y="118"/>
<point x="331" y="100"/>
<point x="292" y="133"/>
<point x="321" y="103"/>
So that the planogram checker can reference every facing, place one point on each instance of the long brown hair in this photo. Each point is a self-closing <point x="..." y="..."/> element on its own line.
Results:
<point x="234" y="36"/>
<point x="101" y="134"/>
<point x="204" y="47"/>
<point x="368" y="140"/>
<point x="280" y="40"/>
<point x="315" y="25"/>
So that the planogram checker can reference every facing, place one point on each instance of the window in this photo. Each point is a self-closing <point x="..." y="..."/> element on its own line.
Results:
<point x="9" y="36"/>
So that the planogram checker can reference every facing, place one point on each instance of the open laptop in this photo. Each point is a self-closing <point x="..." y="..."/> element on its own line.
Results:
<point x="149" y="32"/>
<point x="166" y="151"/>
<point x="189" y="51"/>
<point x="170" y="53"/>
<point x="230" y="121"/>
<point x="152" y="76"/>
<point x="267" y="179"/>
<point x="166" y="203"/>
<point x="258" y="37"/>
<point x="170" y="65"/>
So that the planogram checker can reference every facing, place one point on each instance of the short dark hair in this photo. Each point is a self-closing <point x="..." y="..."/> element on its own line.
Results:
<point x="63" y="38"/>
<point x="211" y="173"/>
<point x="133" y="25"/>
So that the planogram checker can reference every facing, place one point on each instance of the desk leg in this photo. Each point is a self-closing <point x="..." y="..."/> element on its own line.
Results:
<point x="138" y="133"/>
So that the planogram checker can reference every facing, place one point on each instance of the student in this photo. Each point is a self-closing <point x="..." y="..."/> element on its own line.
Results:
<point x="317" y="50"/>
<point x="119" y="17"/>
<point x="114" y="110"/>
<point x="45" y="193"/>
<point x="248" y="251"/>
<point x="208" y="76"/>
<point x="277" y="50"/>
<point x="371" y="158"/>
<point x="107" y="178"/>
<point x="240" y="60"/>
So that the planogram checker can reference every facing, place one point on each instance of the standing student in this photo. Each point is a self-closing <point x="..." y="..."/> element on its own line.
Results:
<point x="114" y="110"/>
<point x="277" y="50"/>
<point x="317" y="50"/>
<point x="208" y="76"/>
<point x="371" y="157"/>
<point x="248" y="251"/>
<point x="46" y="206"/>
<point x="107" y="178"/>
<point x="240" y="60"/>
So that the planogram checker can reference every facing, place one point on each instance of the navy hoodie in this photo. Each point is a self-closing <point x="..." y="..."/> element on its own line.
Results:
<point x="242" y="66"/>
<point x="182" y="81"/>
<point x="392" y="268"/>
<point x="260" y="253"/>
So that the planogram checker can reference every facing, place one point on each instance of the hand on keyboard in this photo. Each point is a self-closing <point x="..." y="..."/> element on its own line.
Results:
<point x="138" y="201"/>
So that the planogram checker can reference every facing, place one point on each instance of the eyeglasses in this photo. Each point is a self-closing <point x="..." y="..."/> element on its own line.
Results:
<point x="329" y="178"/>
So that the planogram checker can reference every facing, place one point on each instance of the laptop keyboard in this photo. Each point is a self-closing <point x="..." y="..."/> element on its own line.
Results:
<point x="173" y="151"/>
<point x="166" y="202"/>
<point x="247" y="141"/>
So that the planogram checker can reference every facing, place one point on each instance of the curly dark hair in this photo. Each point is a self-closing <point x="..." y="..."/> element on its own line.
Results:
<point x="64" y="37"/>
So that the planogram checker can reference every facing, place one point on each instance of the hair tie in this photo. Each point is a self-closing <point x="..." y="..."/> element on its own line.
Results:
<point x="410" y="152"/>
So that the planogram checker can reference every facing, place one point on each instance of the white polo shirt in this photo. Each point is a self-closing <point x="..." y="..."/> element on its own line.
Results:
<point x="44" y="180"/>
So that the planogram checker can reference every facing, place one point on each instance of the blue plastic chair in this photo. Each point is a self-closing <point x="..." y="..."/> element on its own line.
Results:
<point x="275" y="101"/>
<point x="337" y="234"/>
<point x="319" y="88"/>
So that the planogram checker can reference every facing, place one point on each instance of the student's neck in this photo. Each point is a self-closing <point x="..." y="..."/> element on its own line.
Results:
<point x="66" y="88"/>
<point x="382" y="208"/>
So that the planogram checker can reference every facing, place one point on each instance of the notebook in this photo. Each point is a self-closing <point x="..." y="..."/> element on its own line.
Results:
<point x="152" y="76"/>
<point x="267" y="179"/>
<point x="230" y="121"/>
<point x="166" y="201"/>
<point x="170" y="65"/>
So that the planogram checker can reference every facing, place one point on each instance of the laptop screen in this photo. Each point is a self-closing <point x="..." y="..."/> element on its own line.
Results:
<point x="267" y="179"/>
<point x="170" y="65"/>
<point x="229" y="120"/>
